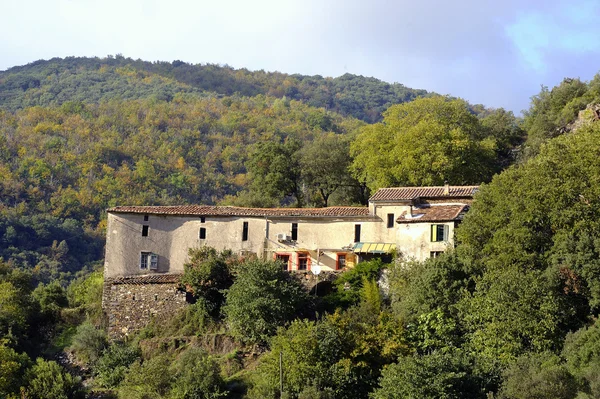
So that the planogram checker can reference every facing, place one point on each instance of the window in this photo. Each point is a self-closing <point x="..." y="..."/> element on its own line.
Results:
<point x="202" y="219"/>
<point x="202" y="233"/>
<point x="439" y="232"/>
<point x="284" y="259"/>
<point x="357" y="233"/>
<point x="390" y="220"/>
<point x="294" y="231"/>
<point x="153" y="262"/>
<point x="303" y="261"/>
<point x="145" y="217"/>
<point x="145" y="231"/>
<point x="340" y="262"/>
<point x="144" y="260"/>
<point x="245" y="232"/>
<point x="435" y="254"/>
<point x="148" y="260"/>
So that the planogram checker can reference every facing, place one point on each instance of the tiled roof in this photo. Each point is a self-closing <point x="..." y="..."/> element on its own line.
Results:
<point x="436" y="213"/>
<point x="147" y="279"/>
<point x="410" y="193"/>
<point x="206" y="210"/>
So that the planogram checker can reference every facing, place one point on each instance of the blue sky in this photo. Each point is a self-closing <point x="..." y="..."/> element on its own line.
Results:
<point x="497" y="53"/>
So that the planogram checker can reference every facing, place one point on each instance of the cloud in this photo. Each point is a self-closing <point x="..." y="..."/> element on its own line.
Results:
<point x="566" y="28"/>
<point x="495" y="53"/>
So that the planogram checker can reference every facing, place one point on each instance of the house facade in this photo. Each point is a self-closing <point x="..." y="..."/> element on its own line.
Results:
<point x="149" y="244"/>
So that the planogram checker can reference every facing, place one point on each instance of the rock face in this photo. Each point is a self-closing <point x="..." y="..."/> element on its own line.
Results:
<point x="589" y="115"/>
<point x="130" y="303"/>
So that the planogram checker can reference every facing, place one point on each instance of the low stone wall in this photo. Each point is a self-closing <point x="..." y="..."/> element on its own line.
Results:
<point x="130" y="303"/>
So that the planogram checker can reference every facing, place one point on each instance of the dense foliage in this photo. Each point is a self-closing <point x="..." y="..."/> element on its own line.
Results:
<point x="512" y="312"/>
<point x="424" y="143"/>
<point x="53" y="82"/>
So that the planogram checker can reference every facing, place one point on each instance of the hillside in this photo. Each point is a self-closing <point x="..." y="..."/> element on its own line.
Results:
<point x="52" y="82"/>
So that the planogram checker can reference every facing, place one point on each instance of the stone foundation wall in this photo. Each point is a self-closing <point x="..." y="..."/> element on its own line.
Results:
<point x="130" y="304"/>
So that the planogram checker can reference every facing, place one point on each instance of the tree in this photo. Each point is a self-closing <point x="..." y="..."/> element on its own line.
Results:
<point x="424" y="142"/>
<point x="262" y="298"/>
<point x="207" y="274"/>
<point x="529" y="241"/>
<point x="325" y="165"/>
<point x="275" y="171"/>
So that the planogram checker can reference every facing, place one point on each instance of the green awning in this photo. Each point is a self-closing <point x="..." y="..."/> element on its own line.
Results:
<point x="373" y="247"/>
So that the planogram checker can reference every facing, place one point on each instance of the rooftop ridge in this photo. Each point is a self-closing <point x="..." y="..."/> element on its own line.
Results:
<point x="411" y="193"/>
<point x="227" y="210"/>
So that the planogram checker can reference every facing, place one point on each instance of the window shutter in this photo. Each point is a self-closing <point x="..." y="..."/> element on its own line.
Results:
<point x="446" y="233"/>
<point x="433" y="233"/>
<point x="153" y="262"/>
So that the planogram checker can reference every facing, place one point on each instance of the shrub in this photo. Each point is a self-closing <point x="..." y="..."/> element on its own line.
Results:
<point x="12" y="366"/>
<point x="112" y="366"/>
<point x="150" y="379"/>
<point x="540" y="376"/>
<point x="88" y="343"/>
<point x="47" y="380"/>
<point x="262" y="298"/>
<point x="196" y="377"/>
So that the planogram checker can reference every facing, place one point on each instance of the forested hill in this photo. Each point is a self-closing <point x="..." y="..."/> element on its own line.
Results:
<point x="53" y="82"/>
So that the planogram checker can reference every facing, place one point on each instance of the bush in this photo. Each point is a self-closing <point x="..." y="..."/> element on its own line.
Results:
<point x="86" y="292"/>
<point x="51" y="298"/>
<point x="539" y="376"/>
<point x="437" y="375"/>
<point x="112" y="366"/>
<point x="12" y="366"/>
<point x="196" y="377"/>
<point x="151" y="379"/>
<point x="47" y="380"/>
<point x="350" y="283"/>
<point x="262" y="298"/>
<point x="88" y="343"/>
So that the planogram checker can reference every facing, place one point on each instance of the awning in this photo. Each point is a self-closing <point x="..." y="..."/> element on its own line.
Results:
<point x="373" y="247"/>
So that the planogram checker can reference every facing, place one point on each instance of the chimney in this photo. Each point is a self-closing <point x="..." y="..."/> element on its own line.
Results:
<point x="446" y="188"/>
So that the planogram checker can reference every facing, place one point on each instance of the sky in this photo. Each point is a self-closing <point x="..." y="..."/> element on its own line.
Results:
<point x="496" y="53"/>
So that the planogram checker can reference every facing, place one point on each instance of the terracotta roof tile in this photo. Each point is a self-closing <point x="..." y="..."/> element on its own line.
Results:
<point x="411" y="193"/>
<point x="207" y="210"/>
<point x="436" y="213"/>
<point x="146" y="279"/>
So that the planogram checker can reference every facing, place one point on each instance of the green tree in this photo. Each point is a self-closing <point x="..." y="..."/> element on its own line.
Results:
<point x="207" y="273"/>
<point x="262" y="298"/>
<point x="424" y="142"/>
<point x="325" y="165"/>
<point x="275" y="172"/>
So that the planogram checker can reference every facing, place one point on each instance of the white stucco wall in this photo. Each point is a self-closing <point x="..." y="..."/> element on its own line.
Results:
<point x="170" y="237"/>
<point x="414" y="240"/>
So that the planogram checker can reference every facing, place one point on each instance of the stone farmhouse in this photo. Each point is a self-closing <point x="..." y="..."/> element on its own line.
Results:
<point x="147" y="246"/>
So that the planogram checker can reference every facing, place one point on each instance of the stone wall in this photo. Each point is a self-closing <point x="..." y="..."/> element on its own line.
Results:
<point x="130" y="303"/>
